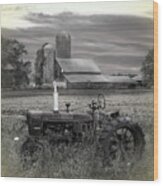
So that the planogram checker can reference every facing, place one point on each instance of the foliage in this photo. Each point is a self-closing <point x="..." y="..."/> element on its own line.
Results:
<point x="148" y="69"/>
<point x="12" y="54"/>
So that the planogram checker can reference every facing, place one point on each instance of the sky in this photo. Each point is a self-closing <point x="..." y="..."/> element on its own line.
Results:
<point x="116" y="35"/>
<point x="13" y="15"/>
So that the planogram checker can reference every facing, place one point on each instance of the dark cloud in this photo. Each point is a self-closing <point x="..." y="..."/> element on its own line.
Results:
<point x="116" y="43"/>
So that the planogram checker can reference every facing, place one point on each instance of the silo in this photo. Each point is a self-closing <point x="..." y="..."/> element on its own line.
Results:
<point x="63" y="45"/>
<point x="48" y="64"/>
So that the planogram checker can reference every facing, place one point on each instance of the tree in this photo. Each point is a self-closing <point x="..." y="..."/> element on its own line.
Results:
<point x="12" y="53"/>
<point x="148" y="69"/>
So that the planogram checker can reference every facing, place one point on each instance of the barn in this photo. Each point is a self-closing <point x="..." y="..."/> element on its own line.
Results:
<point x="79" y="73"/>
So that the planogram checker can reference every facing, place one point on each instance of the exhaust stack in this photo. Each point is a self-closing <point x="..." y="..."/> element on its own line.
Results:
<point x="55" y="97"/>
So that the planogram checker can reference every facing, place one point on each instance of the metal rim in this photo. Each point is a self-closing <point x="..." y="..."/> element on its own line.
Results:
<point x="126" y="143"/>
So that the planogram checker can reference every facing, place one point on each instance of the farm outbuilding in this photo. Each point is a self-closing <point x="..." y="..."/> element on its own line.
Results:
<point x="120" y="82"/>
<point x="7" y="76"/>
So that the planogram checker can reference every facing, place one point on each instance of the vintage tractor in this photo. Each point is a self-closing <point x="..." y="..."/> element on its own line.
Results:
<point x="115" y="137"/>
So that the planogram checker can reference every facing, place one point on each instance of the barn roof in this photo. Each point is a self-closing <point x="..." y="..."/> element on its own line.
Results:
<point x="79" y="78"/>
<point x="78" y="65"/>
<point x="119" y="79"/>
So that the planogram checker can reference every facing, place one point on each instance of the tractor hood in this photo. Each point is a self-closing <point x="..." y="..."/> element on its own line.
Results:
<point x="51" y="115"/>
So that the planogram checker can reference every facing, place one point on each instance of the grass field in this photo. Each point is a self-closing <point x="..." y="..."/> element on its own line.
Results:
<point x="74" y="161"/>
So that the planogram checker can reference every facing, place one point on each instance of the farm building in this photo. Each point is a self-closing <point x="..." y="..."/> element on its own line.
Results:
<point x="120" y="82"/>
<point x="57" y="64"/>
<point x="12" y="78"/>
<point x="79" y="73"/>
<point x="84" y="73"/>
<point x="7" y="76"/>
<point x="75" y="72"/>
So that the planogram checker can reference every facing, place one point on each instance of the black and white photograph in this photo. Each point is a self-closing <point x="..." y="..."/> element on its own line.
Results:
<point x="77" y="90"/>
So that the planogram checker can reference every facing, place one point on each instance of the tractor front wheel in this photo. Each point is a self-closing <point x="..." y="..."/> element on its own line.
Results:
<point x="31" y="150"/>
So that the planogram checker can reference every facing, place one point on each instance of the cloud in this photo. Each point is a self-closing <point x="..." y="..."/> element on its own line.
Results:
<point x="113" y="41"/>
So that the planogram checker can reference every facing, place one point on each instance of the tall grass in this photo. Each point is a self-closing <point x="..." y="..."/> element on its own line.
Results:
<point x="74" y="160"/>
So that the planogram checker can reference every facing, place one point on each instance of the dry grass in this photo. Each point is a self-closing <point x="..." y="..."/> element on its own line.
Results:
<point x="73" y="161"/>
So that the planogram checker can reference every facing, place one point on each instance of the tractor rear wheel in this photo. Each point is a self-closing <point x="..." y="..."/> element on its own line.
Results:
<point x="122" y="145"/>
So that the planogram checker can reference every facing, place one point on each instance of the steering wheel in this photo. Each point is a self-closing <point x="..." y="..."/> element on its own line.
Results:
<point x="101" y="101"/>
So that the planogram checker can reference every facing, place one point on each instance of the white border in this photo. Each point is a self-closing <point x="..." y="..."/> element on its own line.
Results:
<point x="42" y="182"/>
<point x="55" y="1"/>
